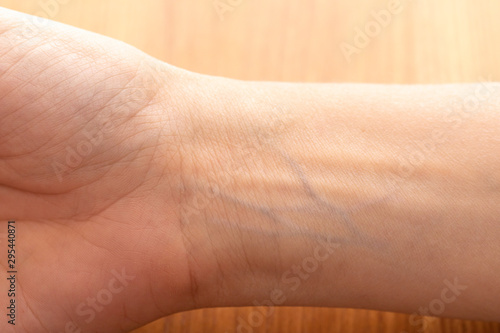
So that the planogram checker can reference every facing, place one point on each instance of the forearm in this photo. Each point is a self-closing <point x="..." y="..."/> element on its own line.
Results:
<point x="343" y="195"/>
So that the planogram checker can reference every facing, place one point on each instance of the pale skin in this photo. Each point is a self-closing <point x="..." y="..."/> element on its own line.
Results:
<point x="170" y="190"/>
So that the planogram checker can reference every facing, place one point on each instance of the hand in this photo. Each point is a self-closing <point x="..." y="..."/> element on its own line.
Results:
<point x="141" y="190"/>
<point x="89" y="169"/>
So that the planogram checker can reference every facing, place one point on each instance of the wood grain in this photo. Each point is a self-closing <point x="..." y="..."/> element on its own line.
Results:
<point x="290" y="40"/>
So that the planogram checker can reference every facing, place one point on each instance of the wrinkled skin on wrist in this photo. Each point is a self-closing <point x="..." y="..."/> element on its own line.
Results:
<point x="89" y="169"/>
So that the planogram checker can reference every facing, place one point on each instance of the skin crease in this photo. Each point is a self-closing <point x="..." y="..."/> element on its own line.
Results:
<point x="200" y="191"/>
<point x="84" y="217"/>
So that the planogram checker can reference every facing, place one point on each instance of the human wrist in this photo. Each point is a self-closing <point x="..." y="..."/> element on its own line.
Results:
<point x="315" y="169"/>
<point x="229" y="189"/>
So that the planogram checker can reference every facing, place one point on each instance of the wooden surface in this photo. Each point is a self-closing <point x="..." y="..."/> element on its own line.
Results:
<point x="429" y="41"/>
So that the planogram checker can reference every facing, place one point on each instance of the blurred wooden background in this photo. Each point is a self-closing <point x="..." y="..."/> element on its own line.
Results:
<point x="426" y="41"/>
